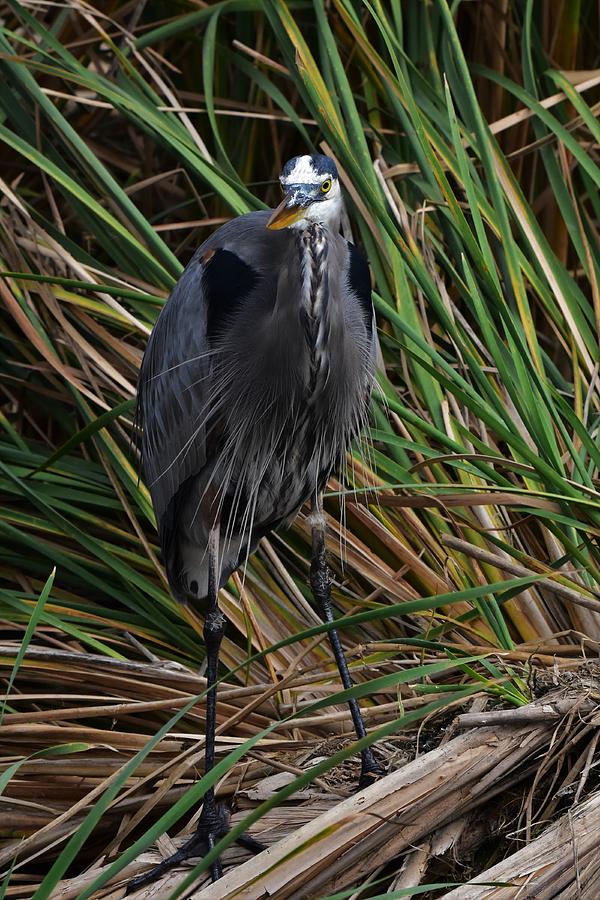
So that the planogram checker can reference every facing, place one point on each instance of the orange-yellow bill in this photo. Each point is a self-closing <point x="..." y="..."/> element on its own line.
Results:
<point x="285" y="215"/>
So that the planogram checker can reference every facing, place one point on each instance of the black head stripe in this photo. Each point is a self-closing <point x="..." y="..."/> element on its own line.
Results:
<point x="324" y="165"/>
<point x="288" y="168"/>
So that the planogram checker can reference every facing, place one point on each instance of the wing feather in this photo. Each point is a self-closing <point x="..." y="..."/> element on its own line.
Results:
<point x="175" y="392"/>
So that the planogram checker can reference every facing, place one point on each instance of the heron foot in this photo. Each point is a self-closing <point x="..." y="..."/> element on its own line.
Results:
<point x="212" y="826"/>
<point x="370" y="771"/>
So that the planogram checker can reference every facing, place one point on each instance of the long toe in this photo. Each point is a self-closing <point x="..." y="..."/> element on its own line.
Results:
<point x="196" y="846"/>
<point x="249" y="843"/>
<point x="212" y="826"/>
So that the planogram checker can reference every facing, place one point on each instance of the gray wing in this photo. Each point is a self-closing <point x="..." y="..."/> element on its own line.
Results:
<point x="174" y="390"/>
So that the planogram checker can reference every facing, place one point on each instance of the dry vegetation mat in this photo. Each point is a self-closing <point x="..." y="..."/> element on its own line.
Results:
<point x="463" y="535"/>
<point x="431" y="794"/>
<point x="324" y="836"/>
<point x="562" y="863"/>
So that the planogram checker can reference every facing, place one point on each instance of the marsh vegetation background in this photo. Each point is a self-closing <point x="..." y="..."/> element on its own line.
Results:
<point x="467" y="565"/>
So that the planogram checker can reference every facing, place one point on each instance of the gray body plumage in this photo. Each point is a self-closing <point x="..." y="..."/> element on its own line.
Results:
<point x="255" y="381"/>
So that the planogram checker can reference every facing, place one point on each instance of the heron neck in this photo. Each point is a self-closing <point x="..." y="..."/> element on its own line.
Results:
<point x="314" y="302"/>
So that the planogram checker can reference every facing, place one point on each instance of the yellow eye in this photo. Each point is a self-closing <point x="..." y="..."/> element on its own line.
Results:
<point x="326" y="186"/>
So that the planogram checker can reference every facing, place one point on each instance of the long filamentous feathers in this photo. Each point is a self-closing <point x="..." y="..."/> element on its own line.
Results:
<point x="266" y="407"/>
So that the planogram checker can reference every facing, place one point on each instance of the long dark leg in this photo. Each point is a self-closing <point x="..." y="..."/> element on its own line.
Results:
<point x="210" y="824"/>
<point x="213" y="821"/>
<point x="320" y="582"/>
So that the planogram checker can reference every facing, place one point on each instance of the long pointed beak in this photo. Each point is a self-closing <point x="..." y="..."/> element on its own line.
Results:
<point x="290" y="210"/>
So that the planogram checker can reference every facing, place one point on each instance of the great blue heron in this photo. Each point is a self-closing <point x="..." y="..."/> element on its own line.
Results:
<point x="255" y="381"/>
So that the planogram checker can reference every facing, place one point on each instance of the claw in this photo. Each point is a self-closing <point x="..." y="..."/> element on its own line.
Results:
<point x="212" y="826"/>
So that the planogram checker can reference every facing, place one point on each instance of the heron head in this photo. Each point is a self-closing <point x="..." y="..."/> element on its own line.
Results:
<point x="311" y="193"/>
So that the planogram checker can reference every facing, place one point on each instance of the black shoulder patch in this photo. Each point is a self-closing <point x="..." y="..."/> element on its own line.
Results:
<point x="359" y="281"/>
<point x="227" y="280"/>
